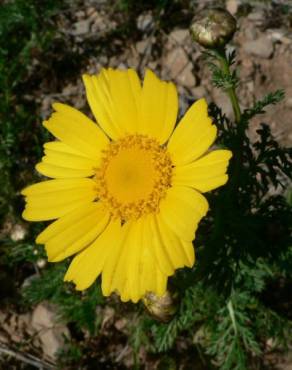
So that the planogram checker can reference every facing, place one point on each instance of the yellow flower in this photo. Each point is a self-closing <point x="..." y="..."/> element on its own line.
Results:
<point x="127" y="192"/>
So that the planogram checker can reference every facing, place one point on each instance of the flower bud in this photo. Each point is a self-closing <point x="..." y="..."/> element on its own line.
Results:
<point x="213" y="28"/>
<point x="161" y="308"/>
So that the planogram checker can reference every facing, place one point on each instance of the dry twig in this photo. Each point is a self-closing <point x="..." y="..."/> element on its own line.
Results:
<point x="26" y="358"/>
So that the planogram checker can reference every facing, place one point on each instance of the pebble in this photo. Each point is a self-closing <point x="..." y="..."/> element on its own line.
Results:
<point x="145" y="22"/>
<point x="50" y="331"/>
<point x="142" y="45"/>
<point x="41" y="263"/>
<point x="261" y="47"/>
<point x="179" y="36"/>
<point x="18" y="233"/>
<point x="279" y="35"/>
<point x="187" y="77"/>
<point x="199" y="92"/>
<point x="256" y="16"/>
<point x="179" y="67"/>
<point x="175" y="61"/>
<point x="232" y="6"/>
<point x="288" y="102"/>
<point x="223" y="102"/>
<point x="81" y="27"/>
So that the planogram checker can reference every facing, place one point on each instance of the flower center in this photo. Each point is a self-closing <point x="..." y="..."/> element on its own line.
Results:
<point x="133" y="177"/>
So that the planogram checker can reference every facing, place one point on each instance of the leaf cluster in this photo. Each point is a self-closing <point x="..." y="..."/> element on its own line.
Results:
<point x="222" y="78"/>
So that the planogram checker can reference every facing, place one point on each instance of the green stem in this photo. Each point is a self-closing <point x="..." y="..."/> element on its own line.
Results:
<point x="231" y="90"/>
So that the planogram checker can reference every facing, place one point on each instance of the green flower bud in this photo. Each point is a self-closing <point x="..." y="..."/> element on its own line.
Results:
<point x="213" y="28"/>
<point x="161" y="308"/>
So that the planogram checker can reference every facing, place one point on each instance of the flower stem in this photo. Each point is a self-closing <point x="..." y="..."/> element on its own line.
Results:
<point x="231" y="90"/>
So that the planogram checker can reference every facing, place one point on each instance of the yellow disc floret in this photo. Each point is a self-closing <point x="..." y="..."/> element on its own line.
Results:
<point x="133" y="177"/>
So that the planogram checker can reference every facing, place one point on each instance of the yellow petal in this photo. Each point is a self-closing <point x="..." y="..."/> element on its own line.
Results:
<point x="193" y="135"/>
<point x="73" y="232"/>
<point x="114" y="98"/>
<point x="130" y="269"/>
<point x="163" y="259"/>
<point x="58" y="172"/>
<point x="54" y="198"/>
<point x="177" y="251"/>
<point x="148" y="266"/>
<point x="159" y="107"/>
<point x="149" y="276"/>
<point x="56" y="185"/>
<point x="204" y="174"/>
<point x="133" y="260"/>
<point x="32" y="213"/>
<point x="161" y="283"/>
<point x="59" y="155"/>
<point x="182" y="209"/>
<point x="64" y="222"/>
<point x="88" y="264"/>
<point x="60" y="147"/>
<point x="125" y="90"/>
<point x="61" y="196"/>
<point x="99" y="99"/>
<point x="111" y="277"/>
<point x="122" y="269"/>
<point x="189" y="252"/>
<point x="77" y="131"/>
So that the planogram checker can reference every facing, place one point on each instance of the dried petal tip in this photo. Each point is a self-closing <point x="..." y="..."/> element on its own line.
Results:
<point x="161" y="308"/>
<point x="213" y="28"/>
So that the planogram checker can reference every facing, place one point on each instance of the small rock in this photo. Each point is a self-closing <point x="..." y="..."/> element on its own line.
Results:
<point x="18" y="233"/>
<point x="100" y="23"/>
<point x="142" y="45"/>
<point x="4" y="338"/>
<point x="122" y="66"/>
<point x="279" y="35"/>
<point x="199" y="92"/>
<point x="121" y="324"/>
<point x="80" y="14"/>
<point x="145" y="22"/>
<point x="250" y="86"/>
<point x="276" y="34"/>
<point x="50" y="331"/>
<point x="94" y="15"/>
<point x="41" y="263"/>
<point x="232" y="6"/>
<point x="113" y="62"/>
<point x="288" y="102"/>
<point x="81" y="27"/>
<point x="176" y="60"/>
<point x="90" y="11"/>
<point x="108" y="317"/>
<point x="152" y="65"/>
<point x="262" y="47"/>
<point x="179" y="67"/>
<point x="256" y="16"/>
<point x="187" y="77"/>
<point x="70" y="90"/>
<point x="223" y="102"/>
<point x="179" y="36"/>
<point x="250" y="33"/>
<point x="46" y="106"/>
